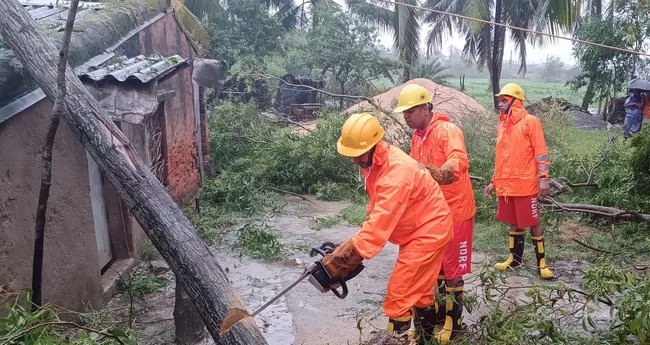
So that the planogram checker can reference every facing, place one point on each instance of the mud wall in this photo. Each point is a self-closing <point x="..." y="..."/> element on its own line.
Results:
<point x="71" y="273"/>
<point x="182" y="165"/>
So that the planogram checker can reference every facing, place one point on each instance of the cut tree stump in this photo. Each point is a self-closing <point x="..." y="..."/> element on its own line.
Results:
<point x="188" y="326"/>
<point x="154" y="209"/>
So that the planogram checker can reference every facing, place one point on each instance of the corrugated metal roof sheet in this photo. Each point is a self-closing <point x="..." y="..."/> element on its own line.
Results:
<point x="53" y="14"/>
<point x="141" y="67"/>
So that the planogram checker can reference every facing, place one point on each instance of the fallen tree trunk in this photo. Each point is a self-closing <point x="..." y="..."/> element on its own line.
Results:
<point x="169" y="230"/>
<point x="601" y="211"/>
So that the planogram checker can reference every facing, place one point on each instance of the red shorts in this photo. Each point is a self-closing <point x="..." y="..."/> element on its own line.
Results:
<point x="458" y="255"/>
<point x="522" y="211"/>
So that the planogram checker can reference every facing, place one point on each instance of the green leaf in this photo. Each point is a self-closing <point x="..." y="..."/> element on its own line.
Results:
<point x="118" y="332"/>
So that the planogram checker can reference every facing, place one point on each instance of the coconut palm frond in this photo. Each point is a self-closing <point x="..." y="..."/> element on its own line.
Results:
<point x="368" y="12"/>
<point x="203" y="9"/>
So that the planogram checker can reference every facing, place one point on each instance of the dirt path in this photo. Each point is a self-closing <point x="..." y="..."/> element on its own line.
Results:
<point x="305" y="316"/>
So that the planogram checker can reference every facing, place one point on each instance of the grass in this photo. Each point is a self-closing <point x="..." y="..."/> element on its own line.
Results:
<point x="584" y="142"/>
<point x="141" y="282"/>
<point x="149" y="251"/>
<point x="210" y="223"/>
<point x="479" y="90"/>
<point x="354" y="214"/>
<point x="326" y="222"/>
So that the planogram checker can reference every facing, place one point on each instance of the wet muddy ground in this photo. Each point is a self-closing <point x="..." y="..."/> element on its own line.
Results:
<point x="304" y="316"/>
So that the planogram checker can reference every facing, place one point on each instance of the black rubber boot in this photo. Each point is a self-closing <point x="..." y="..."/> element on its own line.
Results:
<point x="454" y="318"/>
<point x="399" y="325"/>
<point x="424" y="322"/>
<point x="516" y="252"/>
<point x="439" y="301"/>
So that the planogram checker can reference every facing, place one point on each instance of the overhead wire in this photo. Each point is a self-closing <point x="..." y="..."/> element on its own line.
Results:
<point x="515" y="28"/>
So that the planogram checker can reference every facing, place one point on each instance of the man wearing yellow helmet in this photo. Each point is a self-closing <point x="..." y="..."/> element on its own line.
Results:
<point x="406" y="208"/>
<point x="520" y="176"/>
<point x="440" y="146"/>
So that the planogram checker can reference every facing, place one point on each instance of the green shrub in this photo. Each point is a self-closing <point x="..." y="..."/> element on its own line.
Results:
<point x="640" y="160"/>
<point x="261" y="160"/>
<point x="21" y="325"/>
<point x="259" y="243"/>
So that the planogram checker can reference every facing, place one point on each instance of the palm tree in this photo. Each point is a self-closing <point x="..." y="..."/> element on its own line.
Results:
<point x="433" y="70"/>
<point x="484" y="43"/>
<point x="401" y="21"/>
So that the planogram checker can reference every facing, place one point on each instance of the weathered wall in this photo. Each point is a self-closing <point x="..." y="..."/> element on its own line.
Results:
<point x="70" y="245"/>
<point x="166" y="37"/>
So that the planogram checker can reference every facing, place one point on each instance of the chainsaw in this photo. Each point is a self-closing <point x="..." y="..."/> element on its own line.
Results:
<point x="318" y="277"/>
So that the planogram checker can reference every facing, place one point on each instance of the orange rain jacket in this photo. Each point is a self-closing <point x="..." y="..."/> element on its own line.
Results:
<point x="443" y="142"/>
<point x="521" y="154"/>
<point x="406" y="208"/>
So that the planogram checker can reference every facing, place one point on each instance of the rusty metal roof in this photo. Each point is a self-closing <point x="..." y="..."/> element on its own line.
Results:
<point x="142" y="68"/>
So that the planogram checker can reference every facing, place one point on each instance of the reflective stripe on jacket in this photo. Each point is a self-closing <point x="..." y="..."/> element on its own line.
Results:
<point x="406" y="208"/>
<point x="442" y="142"/>
<point x="521" y="154"/>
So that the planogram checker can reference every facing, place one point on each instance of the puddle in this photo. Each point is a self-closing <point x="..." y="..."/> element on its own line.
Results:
<point x="256" y="283"/>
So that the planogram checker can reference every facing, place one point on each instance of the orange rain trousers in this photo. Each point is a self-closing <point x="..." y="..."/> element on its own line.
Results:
<point x="406" y="208"/>
<point x="442" y="142"/>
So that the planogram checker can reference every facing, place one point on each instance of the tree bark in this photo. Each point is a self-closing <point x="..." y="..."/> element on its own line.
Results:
<point x="188" y="326"/>
<point x="589" y="95"/>
<point x="169" y="230"/>
<point x="406" y="74"/>
<point x="46" y="177"/>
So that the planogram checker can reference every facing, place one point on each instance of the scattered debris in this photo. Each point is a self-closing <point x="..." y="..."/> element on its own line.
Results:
<point x="584" y="119"/>
<point x="385" y="338"/>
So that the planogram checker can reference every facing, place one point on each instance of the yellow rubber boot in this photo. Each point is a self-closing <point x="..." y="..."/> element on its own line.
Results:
<point x="544" y="271"/>
<point x="516" y="252"/>
<point x="453" y="320"/>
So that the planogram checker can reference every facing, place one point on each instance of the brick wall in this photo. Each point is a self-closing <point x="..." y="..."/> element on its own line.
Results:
<point x="182" y="166"/>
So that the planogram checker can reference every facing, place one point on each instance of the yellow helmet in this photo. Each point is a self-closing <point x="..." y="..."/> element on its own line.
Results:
<point x="411" y="96"/>
<point x="513" y="90"/>
<point x="360" y="133"/>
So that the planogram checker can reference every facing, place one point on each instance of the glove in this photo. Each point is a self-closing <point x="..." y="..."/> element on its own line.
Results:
<point x="443" y="175"/>
<point x="342" y="261"/>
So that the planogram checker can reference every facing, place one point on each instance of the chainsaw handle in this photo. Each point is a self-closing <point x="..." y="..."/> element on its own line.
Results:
<point x="324" y="249"/>
<point x="344" y="287"/>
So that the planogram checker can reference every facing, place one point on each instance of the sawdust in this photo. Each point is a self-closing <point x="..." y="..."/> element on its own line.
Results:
<point x="446" y="100"/>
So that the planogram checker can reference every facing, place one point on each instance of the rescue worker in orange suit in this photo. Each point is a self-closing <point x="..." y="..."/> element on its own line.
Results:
<point x="520" y="177"/>
<point x="440" y="146"/>
<point x="406" y="208"/>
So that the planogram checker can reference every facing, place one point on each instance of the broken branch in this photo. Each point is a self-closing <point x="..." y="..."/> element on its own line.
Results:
<point x="46" y="177"/>
<point x="602" y="211"/>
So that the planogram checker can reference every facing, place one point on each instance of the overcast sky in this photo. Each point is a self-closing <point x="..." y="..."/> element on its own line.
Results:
<point x="560" y="48"/>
